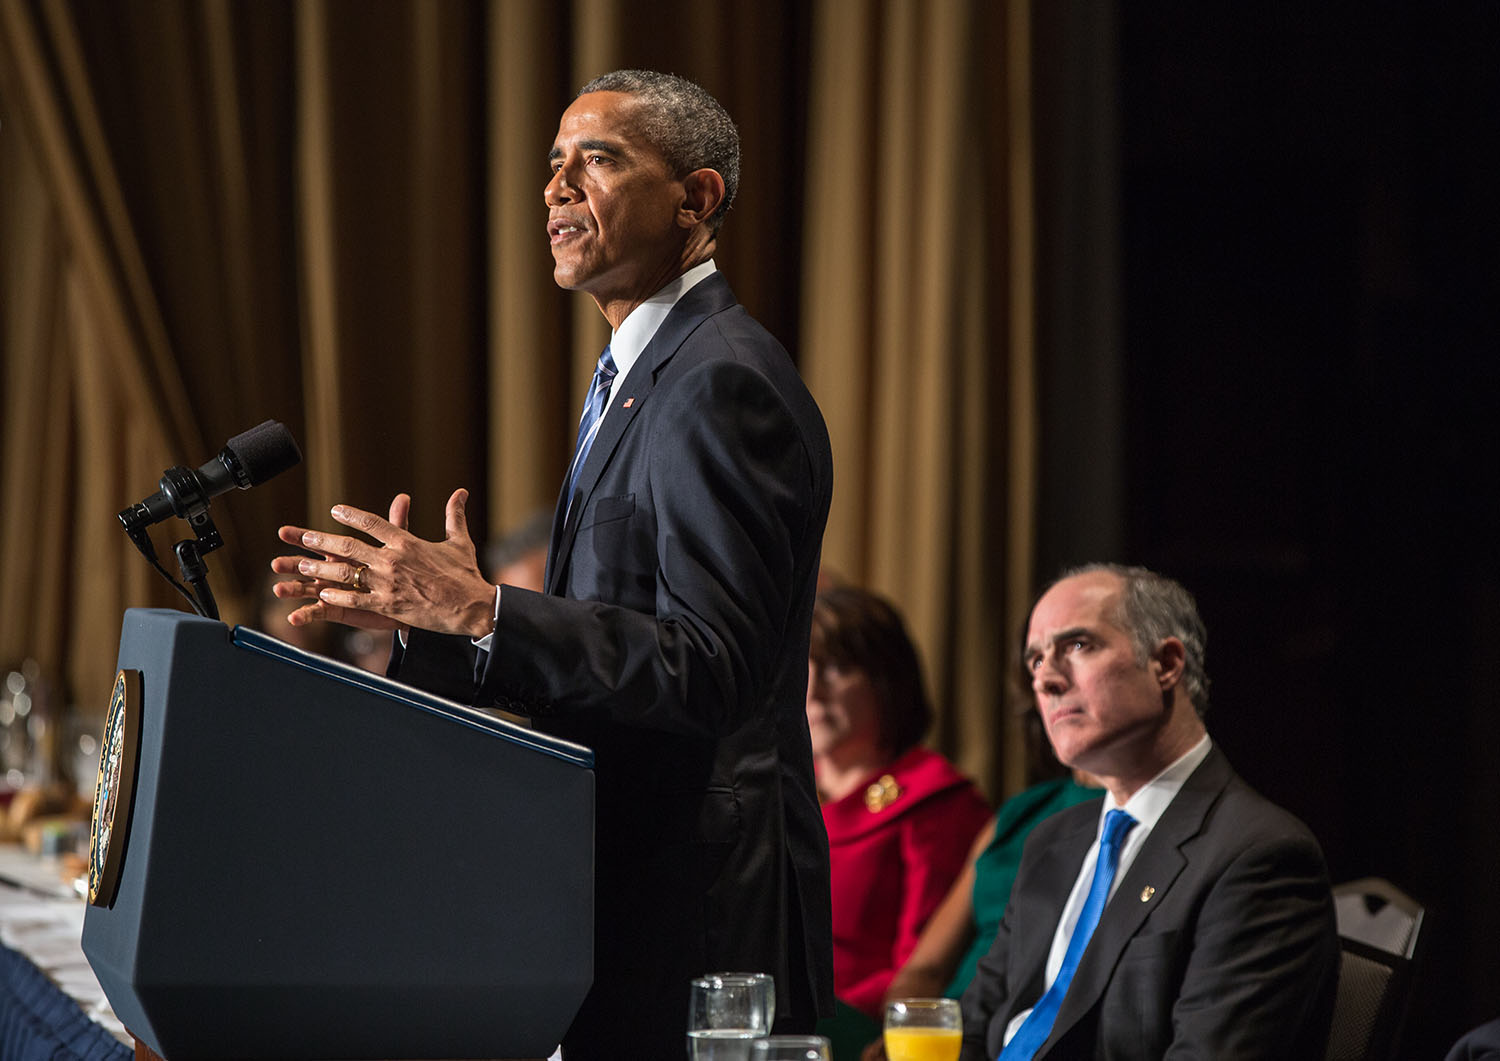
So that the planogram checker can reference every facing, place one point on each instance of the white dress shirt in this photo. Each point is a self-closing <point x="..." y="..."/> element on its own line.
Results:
<point x="635" y="331"/>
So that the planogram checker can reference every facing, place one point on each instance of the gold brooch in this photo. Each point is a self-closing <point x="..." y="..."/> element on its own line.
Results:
<point x="882" y="794"/>
<point x="1146" y="893"/>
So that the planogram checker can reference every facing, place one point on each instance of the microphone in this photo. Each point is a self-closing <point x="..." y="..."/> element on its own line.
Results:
<point x="248" y="459"/>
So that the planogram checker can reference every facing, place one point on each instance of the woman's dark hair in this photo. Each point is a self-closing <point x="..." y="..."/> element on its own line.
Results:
<point x="855" y="628"/>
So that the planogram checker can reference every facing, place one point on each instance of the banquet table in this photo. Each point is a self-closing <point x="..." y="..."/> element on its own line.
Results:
<point x="51" y="1005"/>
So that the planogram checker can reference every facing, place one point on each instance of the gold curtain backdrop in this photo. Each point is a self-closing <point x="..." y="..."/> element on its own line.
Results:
<point x="329" y="213"/>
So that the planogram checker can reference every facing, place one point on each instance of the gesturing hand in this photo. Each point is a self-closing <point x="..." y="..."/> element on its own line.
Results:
<point x="403" y="581"/>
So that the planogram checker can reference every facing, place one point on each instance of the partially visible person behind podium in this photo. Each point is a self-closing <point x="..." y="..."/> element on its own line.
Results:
<point x="519" y="557"/>
<point x="1183" y="915"/>
<point x="672" y="634"/>
<point x="900" y="818"/>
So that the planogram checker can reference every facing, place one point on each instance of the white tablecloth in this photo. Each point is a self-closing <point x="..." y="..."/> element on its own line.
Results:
<point x="41" y="916"/>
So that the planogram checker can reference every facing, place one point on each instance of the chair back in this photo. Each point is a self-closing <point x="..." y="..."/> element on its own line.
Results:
<point x="1378" y="928"/>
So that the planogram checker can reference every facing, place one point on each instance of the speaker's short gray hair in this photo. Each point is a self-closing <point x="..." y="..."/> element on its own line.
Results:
<point x="686" y="124"/>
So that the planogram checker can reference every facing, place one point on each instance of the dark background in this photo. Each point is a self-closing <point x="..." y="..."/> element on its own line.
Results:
<point x="1307" y="364"/>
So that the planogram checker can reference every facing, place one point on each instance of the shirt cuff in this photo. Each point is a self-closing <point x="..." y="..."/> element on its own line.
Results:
<point x="483" y="643"/>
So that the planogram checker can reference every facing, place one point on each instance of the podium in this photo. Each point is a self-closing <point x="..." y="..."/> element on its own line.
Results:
<point x="318" y="862"/>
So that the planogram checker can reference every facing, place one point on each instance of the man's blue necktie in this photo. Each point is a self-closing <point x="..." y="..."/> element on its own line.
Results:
<point x="1038" y="1024"/>
<point x="593" y="412"/>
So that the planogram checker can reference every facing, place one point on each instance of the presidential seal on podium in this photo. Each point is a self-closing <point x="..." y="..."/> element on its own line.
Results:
<point x="114" y="787"/>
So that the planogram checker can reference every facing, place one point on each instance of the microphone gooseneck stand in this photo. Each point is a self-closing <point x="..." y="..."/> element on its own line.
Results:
<point x="190" y="563"/>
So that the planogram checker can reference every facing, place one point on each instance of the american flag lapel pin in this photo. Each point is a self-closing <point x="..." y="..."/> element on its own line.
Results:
<point x="628" y="403"/>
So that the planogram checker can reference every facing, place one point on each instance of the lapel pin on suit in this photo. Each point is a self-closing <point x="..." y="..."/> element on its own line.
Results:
<point x="1146" y="893"/>
<point x="628" y="403"/>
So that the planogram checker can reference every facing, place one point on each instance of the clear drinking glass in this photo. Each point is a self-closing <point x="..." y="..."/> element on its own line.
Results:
<point x="726" y="1011"/>
<point x="791" y="1048"/>
<point x="923" y="1029"/>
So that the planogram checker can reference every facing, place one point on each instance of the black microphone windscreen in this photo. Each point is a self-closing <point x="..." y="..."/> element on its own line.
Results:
<point x="265" y="450"/>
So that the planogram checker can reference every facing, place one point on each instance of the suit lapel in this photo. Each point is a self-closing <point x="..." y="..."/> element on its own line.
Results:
<point x="1048" y="886"/>
<point x="1152" y="875"/>
<point x="709" y="296"/>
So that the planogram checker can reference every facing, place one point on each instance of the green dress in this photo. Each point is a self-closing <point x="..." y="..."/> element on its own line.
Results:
<point x="995" y="869"/>
<point x="994" y="872"/>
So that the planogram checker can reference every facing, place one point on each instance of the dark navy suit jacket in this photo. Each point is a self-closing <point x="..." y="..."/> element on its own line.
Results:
<point x="672" y="639"/>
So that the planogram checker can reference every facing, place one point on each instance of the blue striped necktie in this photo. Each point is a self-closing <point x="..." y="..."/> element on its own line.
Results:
<point x="1038" y="1024"/>
<point x="593" y="413"/>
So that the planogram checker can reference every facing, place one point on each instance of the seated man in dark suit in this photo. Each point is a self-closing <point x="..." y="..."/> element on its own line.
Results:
<point x="1186" y="916"/>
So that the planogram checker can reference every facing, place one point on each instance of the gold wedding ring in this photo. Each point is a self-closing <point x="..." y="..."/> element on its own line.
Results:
<point x="357" y="583"/>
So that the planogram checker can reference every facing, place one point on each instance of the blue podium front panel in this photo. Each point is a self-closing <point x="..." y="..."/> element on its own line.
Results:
<point x="323" y="863"/>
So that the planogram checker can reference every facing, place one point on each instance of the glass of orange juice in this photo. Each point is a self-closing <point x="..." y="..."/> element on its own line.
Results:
<point x="923" y="1029"/>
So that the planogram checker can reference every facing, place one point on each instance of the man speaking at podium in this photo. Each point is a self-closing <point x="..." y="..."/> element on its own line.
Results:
<point x="672" y="634"/>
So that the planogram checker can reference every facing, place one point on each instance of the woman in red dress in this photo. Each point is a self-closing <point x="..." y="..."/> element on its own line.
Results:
<point x="900" y="818"/>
